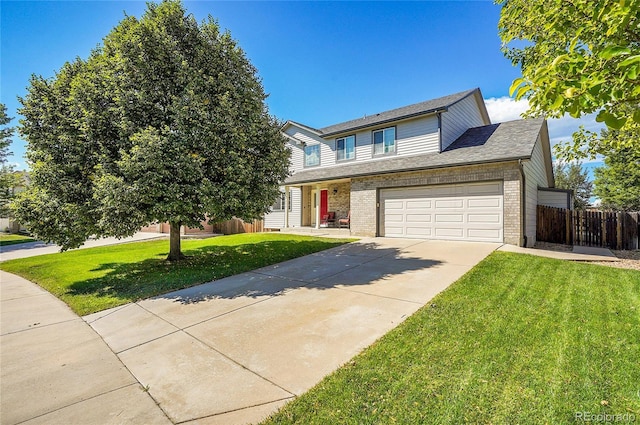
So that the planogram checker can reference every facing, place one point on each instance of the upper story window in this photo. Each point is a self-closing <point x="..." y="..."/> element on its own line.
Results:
<point x="311" y="155"/>
<point x="346" y="148"/>
<point x="384" y="141"/>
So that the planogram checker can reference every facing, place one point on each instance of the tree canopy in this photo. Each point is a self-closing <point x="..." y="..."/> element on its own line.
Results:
<point x="166" y="121"/>
<point x="8" y="178"/>
<point x="617" y="183"/>
<point x="5" y="134"/>
<point x="577" y="57"/>
<point x="573" y="176"/>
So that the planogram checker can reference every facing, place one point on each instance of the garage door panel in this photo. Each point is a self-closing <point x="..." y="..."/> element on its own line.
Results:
<point x="449" y="232"/>
<point x="483" y="234"/>
<point x="418" y="204"/>
<point x="394" y="218"/>
<point x="461" y="212"/>
<point x="394" y="205"/>
<point x="484" y="203"/>
<point x="418" y="218"/>
<point x="483" y="218"/>
<point x="449" y="218"/>
<point x="449" y="203"/>
<point x="419" y="231"/>
<point x="393" y="231"/>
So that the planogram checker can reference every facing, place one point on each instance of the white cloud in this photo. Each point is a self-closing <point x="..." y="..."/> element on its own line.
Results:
<point x="17" y="166"/>
<point x="504" y="108"/>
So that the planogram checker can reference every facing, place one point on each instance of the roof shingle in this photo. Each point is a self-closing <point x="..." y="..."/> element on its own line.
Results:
<point x="416" y="109"/>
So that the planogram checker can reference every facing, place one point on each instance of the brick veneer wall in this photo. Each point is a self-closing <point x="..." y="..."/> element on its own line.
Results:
<point x="364" y="194"/>
<point x="341" y="200"/>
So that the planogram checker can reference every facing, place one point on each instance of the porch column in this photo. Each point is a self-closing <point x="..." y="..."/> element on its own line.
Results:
<point x="286" y="207"/>
<point x="318" y="207"/>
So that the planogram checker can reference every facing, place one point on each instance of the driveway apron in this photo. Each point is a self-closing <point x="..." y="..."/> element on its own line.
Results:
<point x="235" y="350"/>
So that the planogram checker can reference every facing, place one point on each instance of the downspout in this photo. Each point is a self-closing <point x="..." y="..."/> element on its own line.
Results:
<point x="439" y="115"/>
<point x="523" y="195"/>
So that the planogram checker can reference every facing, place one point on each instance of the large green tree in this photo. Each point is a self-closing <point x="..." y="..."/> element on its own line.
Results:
<point x="8" y="179"/>
<point x="166" y="121"/>
<point x="573" y="176"/>
<point x="577" y="57"/>
<point x="617" y="183"/>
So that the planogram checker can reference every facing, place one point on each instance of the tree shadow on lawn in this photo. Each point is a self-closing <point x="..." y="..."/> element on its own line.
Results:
<point x="273" y="274"/>
<point x="346" y="266"/>
<point x="153" y="276"/>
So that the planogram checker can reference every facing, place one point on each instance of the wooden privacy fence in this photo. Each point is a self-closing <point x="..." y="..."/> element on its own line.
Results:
<point x="615" y="230"/>
<point x="237" y="225"/>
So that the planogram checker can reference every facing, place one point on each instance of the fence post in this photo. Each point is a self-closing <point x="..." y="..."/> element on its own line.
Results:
<point x="568" y="227"/>
<point x="619" y="231"/>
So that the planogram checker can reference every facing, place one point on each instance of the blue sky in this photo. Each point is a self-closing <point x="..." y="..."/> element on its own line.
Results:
<point x="321" y="62"/>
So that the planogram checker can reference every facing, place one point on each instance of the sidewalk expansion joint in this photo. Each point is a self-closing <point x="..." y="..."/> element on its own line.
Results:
<point x="231" y="359"/>
<point x="234" y="410"/>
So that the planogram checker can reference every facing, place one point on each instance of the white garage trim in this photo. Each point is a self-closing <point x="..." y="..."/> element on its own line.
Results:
<point x="470" y="212"/>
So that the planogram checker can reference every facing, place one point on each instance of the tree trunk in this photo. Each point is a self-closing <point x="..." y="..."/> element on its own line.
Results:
<point x="175" y="254"/>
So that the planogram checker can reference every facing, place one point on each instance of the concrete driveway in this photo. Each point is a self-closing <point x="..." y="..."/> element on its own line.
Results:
<point x="235" y="350"/>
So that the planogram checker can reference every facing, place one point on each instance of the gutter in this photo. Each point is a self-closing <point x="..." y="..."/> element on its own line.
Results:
<point x="523" y="195"/>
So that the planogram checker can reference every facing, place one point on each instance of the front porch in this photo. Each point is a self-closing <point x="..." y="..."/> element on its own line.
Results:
<point x="327" y="232"/>
<point x="322" y="206"/>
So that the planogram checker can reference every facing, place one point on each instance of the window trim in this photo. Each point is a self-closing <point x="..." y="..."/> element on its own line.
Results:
<point x="281" y="198"/>
<point x="395" y="141"/>
<point x="345" y="148"/>
<point x="304" y="153"/>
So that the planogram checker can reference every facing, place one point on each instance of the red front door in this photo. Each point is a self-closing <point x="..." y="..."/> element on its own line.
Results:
<point x="323" y="203"/>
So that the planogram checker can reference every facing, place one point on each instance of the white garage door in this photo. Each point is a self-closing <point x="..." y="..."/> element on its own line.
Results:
<point x="472" y="212"/>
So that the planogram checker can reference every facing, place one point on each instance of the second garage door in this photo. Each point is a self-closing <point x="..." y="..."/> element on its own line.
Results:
<point x="472" y="212"/>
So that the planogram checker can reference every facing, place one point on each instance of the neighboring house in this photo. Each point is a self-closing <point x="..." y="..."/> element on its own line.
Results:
<point x="437" y="169"/>
<point x="558" y="198"/>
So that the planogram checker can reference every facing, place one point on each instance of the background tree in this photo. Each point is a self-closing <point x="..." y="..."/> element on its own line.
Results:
<point x="8" y="178"/>
<point x="577" y="57"/>
<point x="573" y="176"/>
<point x="617" y="183"/>
<point x="166" y="121"/>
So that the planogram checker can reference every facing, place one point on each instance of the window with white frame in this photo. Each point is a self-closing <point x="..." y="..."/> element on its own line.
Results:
<point x="384" y="141"/>
<point x="311" y="155"/>
<point x="346" y="148"/>
<point x="279" y="204"/>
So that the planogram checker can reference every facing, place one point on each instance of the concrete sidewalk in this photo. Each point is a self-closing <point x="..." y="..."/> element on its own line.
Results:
<point x="579" y="253"/>
<point x="31" y="249"/>
<point x="54" y="369"/>
<point x="226" y="352"/>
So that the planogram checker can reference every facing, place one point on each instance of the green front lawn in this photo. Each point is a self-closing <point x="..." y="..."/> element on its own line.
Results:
<point x="519" y="339"/>
<point x="12" y="239"/>
<point x="94" y="279"/>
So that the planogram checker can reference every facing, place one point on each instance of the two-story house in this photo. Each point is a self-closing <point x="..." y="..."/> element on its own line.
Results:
<point x="437" y="170"/>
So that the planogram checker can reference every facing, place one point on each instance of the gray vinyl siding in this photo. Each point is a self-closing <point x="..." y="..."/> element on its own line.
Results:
<point x="297" y="157"/>
<point x="307" y="137"/>
<point x="458" y="118"/>
<point x="535" y="177"/>
<point x="554" y="199"/>
<point x="418" y="136"/>
<point x="303" y="135"/>
<point x="275" y="219"/>
<point x="413" y="137"/>
<point x="364" y="150"/>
